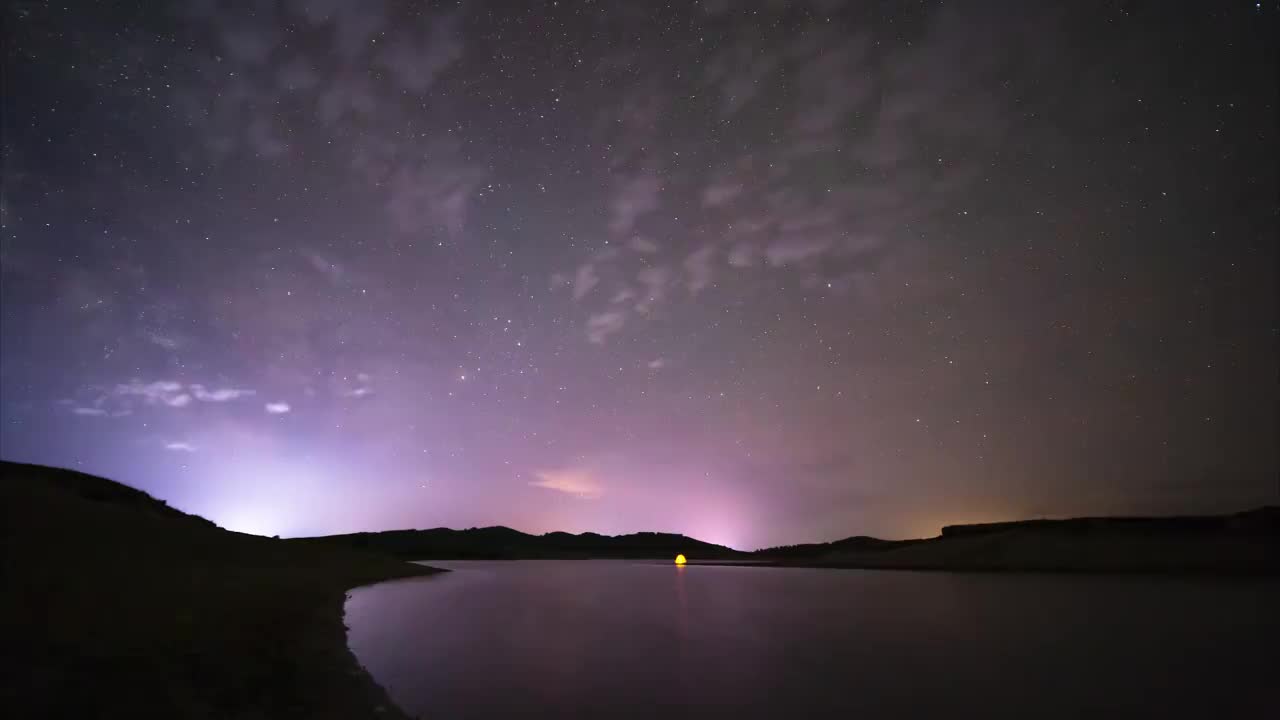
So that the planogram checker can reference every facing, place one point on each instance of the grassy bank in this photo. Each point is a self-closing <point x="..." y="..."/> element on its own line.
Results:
<point x="116" y="605"/>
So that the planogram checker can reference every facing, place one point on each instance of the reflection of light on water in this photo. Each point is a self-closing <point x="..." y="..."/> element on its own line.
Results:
<point x="682" y="620"/>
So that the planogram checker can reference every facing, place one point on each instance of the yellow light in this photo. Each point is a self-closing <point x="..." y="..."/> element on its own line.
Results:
<point x="680" y="560"/>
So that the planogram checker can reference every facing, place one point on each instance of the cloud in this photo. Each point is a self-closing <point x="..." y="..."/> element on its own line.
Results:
<point x="720" y="193"/>
<point x="89" y="411"/>
<point x="657" y="363"/>
<point x="425" y="197"/>
<point x="579" y="483"/>
<point x="276" y="408"/>
<point x="697" y="267"/>
<point x="164" y="341"/>
<point x="740" y="70"/>
<point x="166" y="392"/>
<point x="795" y="249"/>
<point x="654" y="281"/>
<point x="254" y="90"/>
<point x="601" y="325"/>
<point x="220" y="394"/>
<point x="363" y="386"/>
<point x="170" y="393"/>
<point x="633" y="198"/>
<point x="329" y="268"/>
<point x="584" y="280"/>
<point x="416" y="64"/>
<point x="858" y="152"/>
<point x="180" y="446"/>
<point x="642" y="245"/>
<point x="742" y="255"/>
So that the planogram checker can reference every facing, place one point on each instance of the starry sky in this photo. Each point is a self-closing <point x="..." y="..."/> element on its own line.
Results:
<point x="758" y="272"/>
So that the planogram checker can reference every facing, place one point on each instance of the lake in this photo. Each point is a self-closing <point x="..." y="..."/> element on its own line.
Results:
<point x="618" y="639"/>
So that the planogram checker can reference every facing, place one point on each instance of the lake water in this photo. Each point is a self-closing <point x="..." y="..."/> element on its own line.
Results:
<point x="615" y="639"/>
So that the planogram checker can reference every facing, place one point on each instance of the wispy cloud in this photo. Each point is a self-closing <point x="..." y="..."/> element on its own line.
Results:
<point x="720" y="193"/>
<point x="601" y="325"/>
<point x="164" y="341"/>
<point x="89" y="411"/>
<point x="166" y="392"/>
<point x="329" y="268"/>
<point x="633" y="198"/>
<point x="653" y="281"/>
<point x="220" y="394"/>
<point x="277" y="408"/>
<point x="363" y="386"/>
<point x="577" y="482"/>
<point x="245" y="94"/>
<point x="584" y="280"/>
<point x="173" y="394"/>
<point x="743" y="255"/>
<point x="180" y="446"/>
<point x="756" y="207"/>
<point x="642" y="245"/>
<point x="697" y="268"/>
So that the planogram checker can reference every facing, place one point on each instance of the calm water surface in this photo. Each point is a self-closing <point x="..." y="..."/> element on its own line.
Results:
<point x="614" y="639"/>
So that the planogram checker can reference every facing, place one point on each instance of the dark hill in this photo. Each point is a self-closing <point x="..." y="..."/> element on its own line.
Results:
<point x="1262" y="521"/>
<point x="817" y="550"/>
<point x="116" y="605"/>
<point x="1243" y="543"/>
<point x="1240" y="543"/>
<point x="503" y="543"/>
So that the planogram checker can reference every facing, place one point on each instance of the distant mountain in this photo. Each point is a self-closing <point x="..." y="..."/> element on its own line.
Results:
<point x="503" y="543"/>
<point x="816" y="550"/>
<point x="1242" y="543"/>
<point x="1264" y="520"/>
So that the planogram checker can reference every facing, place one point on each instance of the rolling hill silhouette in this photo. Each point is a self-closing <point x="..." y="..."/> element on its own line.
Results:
<point x="503" y="543"/>
<point x="117" y="605"/>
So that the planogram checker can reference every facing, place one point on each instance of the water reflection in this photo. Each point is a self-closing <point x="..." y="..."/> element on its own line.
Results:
<point x="618" y="639"/>
<point x="682" y="602"/>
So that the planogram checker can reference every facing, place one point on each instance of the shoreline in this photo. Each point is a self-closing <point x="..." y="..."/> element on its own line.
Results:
<point x="1214" y="573"/>
<point x="330" y="621"/>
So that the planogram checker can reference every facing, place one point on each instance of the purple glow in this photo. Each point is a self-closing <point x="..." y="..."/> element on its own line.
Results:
<point x="759" y="278"/>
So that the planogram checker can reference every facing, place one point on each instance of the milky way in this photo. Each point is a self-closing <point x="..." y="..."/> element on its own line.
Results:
<point x="755" y="272"/>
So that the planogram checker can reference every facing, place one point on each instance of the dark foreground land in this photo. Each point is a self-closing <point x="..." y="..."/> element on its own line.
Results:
<point x="116" y="605"/>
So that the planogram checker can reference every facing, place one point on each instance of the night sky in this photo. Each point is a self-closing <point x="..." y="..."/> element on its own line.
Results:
<point x="756" y="272"/>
